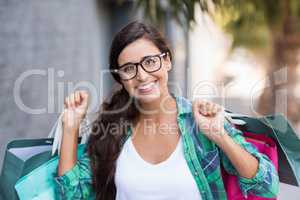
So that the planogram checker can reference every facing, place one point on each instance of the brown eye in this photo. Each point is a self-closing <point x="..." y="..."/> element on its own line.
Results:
<point x="150" y="61"/>
<point x="128" y="68"/>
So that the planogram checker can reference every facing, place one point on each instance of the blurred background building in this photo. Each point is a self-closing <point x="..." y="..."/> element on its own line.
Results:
<point x="244" y="56"/>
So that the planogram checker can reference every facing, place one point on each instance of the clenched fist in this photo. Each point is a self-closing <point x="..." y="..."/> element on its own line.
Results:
<point x="76" y="105"/>
<point x="210" y="119"/>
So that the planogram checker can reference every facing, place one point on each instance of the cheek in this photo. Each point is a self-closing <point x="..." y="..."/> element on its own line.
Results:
<point x="129" y="86"/>
<point x="163" y="75"/>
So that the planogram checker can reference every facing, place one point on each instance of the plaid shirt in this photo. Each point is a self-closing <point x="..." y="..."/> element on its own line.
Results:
<point x="204" y="160"/>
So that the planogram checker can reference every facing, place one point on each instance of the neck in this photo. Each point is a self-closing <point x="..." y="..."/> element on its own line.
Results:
<point x="158" y="110"/>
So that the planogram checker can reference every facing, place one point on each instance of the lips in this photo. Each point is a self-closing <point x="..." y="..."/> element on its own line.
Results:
<point x="145" y="88"/>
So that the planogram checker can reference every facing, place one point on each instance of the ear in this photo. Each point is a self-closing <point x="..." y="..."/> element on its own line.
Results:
<point x="168" y="63"/>
<point x="169" y="66"/>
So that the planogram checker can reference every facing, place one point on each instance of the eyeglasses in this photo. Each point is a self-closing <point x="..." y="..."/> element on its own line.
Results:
<point x="149" y="64"/>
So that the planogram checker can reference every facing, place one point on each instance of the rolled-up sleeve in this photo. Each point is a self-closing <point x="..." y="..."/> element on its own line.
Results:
<point x="266" y="182"/>
<point x="77" y="182"/>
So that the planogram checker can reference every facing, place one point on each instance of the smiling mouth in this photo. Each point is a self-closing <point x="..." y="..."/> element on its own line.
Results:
<point x="146" y="88"/>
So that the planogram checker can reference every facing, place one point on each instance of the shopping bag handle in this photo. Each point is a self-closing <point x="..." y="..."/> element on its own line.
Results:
<point x="229" y="116"/>
<point x="57" y="132"/>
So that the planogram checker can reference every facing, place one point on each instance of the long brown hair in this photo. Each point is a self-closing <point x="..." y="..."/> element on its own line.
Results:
<point x="104" y="145"/>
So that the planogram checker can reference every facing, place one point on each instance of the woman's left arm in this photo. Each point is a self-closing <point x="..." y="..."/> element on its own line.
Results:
<point x="256" y="172"/>
<point x="245" y="163"/>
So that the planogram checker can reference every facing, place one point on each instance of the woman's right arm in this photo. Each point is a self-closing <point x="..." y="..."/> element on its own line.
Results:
<point x="68" y="153"/>
<point x="73" y="176"/>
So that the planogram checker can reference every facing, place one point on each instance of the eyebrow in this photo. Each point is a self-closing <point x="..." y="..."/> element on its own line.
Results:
<point x="143" y="58"/>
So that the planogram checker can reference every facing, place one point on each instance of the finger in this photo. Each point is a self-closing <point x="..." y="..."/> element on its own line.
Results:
<point x="72" y="100"/>
<point x="67" y="102"/>
<point x="83" y="93"/>
<point x="84" y="97"/>
<point x="210" y="106"/>
<point x="207" y="103"/>
<point x="196" y="111"/>
<point x="202" y="107"/>
<point x="205" y="108"/>
<point x="77" y="98"/>
<point x="196" y="104"/>
<point x="202" y="122"/>
<point x="215" y="109"/>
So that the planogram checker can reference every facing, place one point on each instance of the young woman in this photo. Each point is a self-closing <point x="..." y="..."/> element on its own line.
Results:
<point x="171" y="149"/>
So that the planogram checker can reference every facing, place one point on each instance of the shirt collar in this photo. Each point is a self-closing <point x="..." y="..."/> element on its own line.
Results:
<point x="184" y="106"/>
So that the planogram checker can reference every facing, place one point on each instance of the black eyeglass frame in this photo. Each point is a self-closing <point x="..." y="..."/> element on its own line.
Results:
<point x="140" y="63"/>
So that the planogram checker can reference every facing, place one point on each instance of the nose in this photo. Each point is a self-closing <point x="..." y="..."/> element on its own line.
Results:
<point x="141" y="73"/>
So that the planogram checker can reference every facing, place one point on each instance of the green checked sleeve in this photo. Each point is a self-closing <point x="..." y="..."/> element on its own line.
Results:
<point x="77" y="182"/>
<point x="266" y="182"/>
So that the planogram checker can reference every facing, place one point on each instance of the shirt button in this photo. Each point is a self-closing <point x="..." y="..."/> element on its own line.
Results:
<point x="196" y="173"/>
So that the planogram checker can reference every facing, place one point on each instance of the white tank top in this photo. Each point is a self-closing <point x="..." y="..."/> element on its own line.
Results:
<point x="137" y="179"/>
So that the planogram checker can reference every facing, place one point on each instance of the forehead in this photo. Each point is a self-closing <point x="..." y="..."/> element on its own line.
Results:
<point x="136" y="50"/>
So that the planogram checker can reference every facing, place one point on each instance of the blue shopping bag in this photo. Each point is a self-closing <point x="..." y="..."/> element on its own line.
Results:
<point x="40" y="183"/>
<point x="35" y="160"/>
<point x="21" y="157"/>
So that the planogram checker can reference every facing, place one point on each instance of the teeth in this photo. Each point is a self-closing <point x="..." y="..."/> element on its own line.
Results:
<point x="147" y="86"/>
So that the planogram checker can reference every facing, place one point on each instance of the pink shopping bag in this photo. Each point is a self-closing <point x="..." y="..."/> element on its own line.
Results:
<point x="264" y="145"/>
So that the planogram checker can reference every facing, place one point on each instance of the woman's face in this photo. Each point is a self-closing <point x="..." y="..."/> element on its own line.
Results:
<point x="145" y="86"/>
